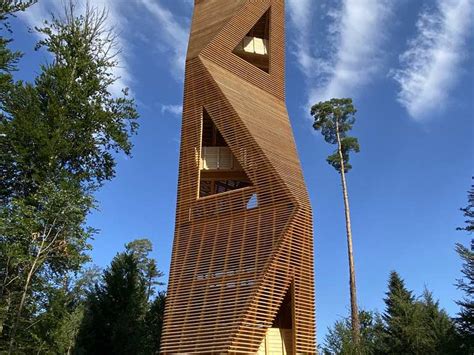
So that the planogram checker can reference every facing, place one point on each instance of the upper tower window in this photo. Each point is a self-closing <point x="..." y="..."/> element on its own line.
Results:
<point x="255" y="46"/>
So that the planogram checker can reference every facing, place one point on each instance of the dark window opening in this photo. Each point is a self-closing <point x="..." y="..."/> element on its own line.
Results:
<point x="211" y="137"/>
<point x="284" y="318"/>
<point x="212" y="187"/>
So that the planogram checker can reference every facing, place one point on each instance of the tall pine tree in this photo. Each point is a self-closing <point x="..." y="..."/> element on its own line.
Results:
<point x="335" y="118"/>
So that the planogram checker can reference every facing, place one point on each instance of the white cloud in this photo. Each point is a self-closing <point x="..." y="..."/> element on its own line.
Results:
<point x="38" y="13"/>
<point x="118" y="22"/>
<point x="352" y="48"/>
<point x="299" y="11"/>
<point x="430" y="65"/>
<point x="41" y="11"/>
<point x="172" y="109"/>
<point x="173" y="33"/>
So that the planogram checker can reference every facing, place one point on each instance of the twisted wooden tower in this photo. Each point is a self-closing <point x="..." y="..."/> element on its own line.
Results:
<point x="241" y="278"/>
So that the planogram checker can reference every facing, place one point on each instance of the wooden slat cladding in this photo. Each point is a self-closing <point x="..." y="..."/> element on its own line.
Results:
<point x="208" y="19"/>
<point x="232" y="264"/>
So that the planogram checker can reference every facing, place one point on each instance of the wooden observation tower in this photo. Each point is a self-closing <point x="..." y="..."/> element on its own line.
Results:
<point x="241" y="278"/>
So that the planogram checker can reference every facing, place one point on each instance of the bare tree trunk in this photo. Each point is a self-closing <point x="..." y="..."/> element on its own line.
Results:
<point x="352" y="279"/>
<point x="23" y="298"/>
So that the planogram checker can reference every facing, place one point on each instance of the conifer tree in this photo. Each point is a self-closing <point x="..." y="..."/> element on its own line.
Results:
<point x="339" y="337"/>
<point x="115" y="311"/>
<point x="465" y="317"/>
<point x="141" y="249"/>
<point x="415" y="326"/>
<point x="154" y="324"/>
<point x="335" y="118"/>
<point x="438" y="327"/>
<point x="404" y="320"/>
<point x="118" y="317"/>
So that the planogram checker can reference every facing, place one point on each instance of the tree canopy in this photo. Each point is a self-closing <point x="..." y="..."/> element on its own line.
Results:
<point x="409" y="325"/>
<point x="58" y="137"/>
<point x="335" y="118"/>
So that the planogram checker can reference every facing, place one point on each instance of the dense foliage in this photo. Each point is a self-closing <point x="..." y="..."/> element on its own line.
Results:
<point x="119" y="319"/>
<point x="335" y="118"/>
<point x="409" y="325"/>
<point x="58" y="136"/>
<point x="465" y="318"/>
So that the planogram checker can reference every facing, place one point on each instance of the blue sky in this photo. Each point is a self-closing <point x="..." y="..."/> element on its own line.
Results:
<point x="409" y="67"/>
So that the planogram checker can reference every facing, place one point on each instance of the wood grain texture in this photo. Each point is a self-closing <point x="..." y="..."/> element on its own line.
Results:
<point x="232" y="266"/>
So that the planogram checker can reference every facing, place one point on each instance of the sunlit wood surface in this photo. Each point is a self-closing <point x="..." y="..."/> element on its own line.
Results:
<point x="236" y="254"/>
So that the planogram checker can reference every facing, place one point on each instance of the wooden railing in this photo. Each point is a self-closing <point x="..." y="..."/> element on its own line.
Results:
<point x="218" y="158"/>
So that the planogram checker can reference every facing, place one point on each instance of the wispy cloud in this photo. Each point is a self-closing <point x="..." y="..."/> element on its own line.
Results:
<point x="352" y="53"/>
<point x="300" y="21"/>
<point x="430" y="65"/>
<point x="38" y="13"/>
<point x="172" y="109"/>
<point x="173" y="34"/>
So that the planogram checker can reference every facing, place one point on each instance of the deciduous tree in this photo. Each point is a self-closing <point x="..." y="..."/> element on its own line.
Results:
<point x="58" y="137"/>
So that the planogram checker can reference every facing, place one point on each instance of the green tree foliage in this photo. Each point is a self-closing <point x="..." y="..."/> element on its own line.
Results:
<point x="439" y="326"/>
<point x="465" y="317"/>
<point x="57" y="327"/>
<point x="8" y="58"/>
<point x="41" y="241"/>
<point x="409" y="325"/>
<point x="469" y="212"/>
<point x="154" y="324"/>
<point x="114" y="319"/>
<point x="334" y="118"/>
<point x="339" y="338"/>
<point x="147" y="266"/>
<point x="58" y="137"/>
<point x="414" y="326"/>
<point x="118" y="317"/>
<point x="67" y="125"/>
<point x="399" y="313"/>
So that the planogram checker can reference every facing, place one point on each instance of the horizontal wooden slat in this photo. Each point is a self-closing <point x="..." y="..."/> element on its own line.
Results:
<point x="232" y="265"/>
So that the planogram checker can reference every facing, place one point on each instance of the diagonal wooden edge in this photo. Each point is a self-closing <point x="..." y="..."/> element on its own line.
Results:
<point x="275" y="263"/>
<point x="220" y="49"/>
<point x="209" y="17"/>
<point x="246" y="18"/>
<point x="275" y="240"/>
<point x="279" y="153"/>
